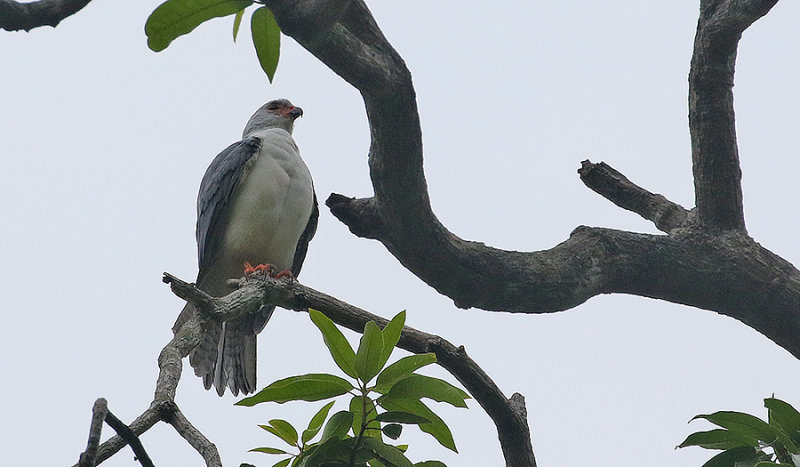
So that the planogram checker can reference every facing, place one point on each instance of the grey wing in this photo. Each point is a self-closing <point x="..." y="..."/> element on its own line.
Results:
<point x="219" y="182"/>
<point x="305" y="237"/>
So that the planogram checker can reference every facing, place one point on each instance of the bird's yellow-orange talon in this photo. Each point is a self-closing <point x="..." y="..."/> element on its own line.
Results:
<point x="265" y="268"/>
<point x="285" y="273"/>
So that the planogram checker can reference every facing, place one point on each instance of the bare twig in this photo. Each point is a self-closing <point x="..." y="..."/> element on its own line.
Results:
<point x="163" y="407"/>
<point x="16" y="16"/>
<point x="89" y="457"/>
<point x="130" y="437"/>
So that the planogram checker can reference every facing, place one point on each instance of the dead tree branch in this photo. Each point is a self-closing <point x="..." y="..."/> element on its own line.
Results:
<point x="603" y="179"/>
<point x="163" y="408"/>
<point x="89" y="457"/>
<point x="100" y="413"/>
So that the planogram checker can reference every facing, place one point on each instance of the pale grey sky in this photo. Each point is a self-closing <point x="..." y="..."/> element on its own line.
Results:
<point x="105" y="142"/>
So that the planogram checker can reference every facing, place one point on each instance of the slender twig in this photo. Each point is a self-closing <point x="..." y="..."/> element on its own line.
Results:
<point x="89" y="457"/>
<point x="163" y="407"/>
<point x="130" y="437"/>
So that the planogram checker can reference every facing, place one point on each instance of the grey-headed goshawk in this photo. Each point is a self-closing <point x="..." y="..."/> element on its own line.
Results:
<point x="256" y="205"/>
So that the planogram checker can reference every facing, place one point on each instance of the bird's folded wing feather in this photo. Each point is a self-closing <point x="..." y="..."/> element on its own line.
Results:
<point x="305" y="237"/>
<point x="224" y="174"/>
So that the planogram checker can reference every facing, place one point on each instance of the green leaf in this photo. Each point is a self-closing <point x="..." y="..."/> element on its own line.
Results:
<point x="418" y="386"/>
<point x="391" y="336"/>
<point x="750" y="426"/>
<point x="237" y="21"/>
<point x="386" y="453"/>
<point x="282" y="463"/>
<point x="284" y="430"/>
<point x="402" y="368"/>
<point x="175" y="18"/>
<point x="718" y="439"/>
<point x="266" y="39"/>
<point x="340" y="349"/>
<point x="266" y="450"/>
<point x="392" y="430"/>
<point x="732" y="457"/>
<point x="333" y="452"/>
<point x="765" y="464"/>
<point x="370" y="349"/>
<point x="784" y="416"/>
<point x="310" y="387"/>
<point x="430" y="464"/>
<point x="401" y="417"/>
<point x="338" y="426"/>
<point x="436" y="427"/>
<point x="316" y="422"/>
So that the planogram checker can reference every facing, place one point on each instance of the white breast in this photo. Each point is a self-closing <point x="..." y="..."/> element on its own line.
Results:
<point x="271" y="206"/>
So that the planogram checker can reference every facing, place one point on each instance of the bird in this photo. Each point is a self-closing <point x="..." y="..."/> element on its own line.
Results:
<point x="256" y="204"/>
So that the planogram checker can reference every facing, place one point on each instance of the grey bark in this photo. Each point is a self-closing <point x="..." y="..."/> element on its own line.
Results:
<point x="16" y="16"/>
<point x="707" y="260"/>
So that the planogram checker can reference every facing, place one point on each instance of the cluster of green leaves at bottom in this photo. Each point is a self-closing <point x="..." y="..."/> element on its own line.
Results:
<point x="357" y="437"/>
<point x="174" y="18"/>
<point x="748" y="441"/>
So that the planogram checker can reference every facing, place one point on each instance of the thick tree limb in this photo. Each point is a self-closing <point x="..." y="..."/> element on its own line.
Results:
<point x="606" y="181"/>
<point x="715" y="155"/>
<point x="509" y="415"/>
<point x="708" y="263"/>
<point x="15" y="16"/>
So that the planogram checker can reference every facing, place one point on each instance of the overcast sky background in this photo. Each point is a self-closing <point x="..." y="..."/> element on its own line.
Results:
<point x="104" y="144"/>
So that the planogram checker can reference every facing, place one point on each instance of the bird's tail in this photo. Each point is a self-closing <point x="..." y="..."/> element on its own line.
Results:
<point x="226" y="355"/>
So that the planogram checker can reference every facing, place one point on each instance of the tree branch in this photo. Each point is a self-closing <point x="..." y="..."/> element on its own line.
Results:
<point x="709" y="262"/>
<point x="15" y="16"/>
<point x="614" y="186"/>
<point x="509" y="415"/>
<point x="89" y="457"/>
<point x="130" y="438"/>
<point x="163" y="407"/>
<point x="715" y="154"/>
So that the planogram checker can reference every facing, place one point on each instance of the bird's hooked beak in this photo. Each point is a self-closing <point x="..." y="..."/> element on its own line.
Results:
<point x="293" y="112"/>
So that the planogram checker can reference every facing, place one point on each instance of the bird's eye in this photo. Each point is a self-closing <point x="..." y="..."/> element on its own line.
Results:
<point x="272" y="107"/>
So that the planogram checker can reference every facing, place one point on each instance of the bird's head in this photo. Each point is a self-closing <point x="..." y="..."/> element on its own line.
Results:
<point x="278" y="113"/>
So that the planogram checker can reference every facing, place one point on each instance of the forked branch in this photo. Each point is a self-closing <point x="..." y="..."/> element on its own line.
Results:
<point x="707" y="260"/>
<point x="509" y="415"/>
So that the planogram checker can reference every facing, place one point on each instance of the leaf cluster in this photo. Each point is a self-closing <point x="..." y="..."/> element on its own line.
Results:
<point x="748" y="441"/>
<point x="175" y="18"/>
<point x="383" y="399"/>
